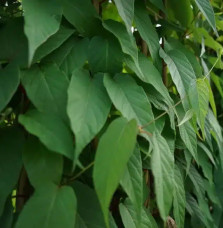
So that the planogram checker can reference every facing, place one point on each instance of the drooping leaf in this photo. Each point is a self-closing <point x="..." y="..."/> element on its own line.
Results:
<point x="188" y="115"/>
<point x="179" y="198"/>
<point x="206" y="8"/>
<point x="11" y="146"/>
<point x="47" y="207"/>
<point x="126" y="11"/>
<point x="46" y="87"/>
<point x="130" y="99"/>
<point x="148" y="32"/>
<point x="42" y="165"/>
<point x="104" y="55"/>
<point x="129" y="216"/>
<point x="51" y="131"/>
<point x="9" y="82"/>
<point x="82" y="14"/>
<point x="121" y="134"/>
<point x="132" y="182"/>
<point x="127" y="42"/>
<point x="88" y="107"/>
<point x="162" y="164"/>
<point x="88" y="208"/>
<point x="42" y="20"/>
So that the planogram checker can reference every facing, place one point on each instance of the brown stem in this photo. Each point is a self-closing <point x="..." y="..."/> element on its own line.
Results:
<point x="96" y="5"/>
<point x="144" y="47"/>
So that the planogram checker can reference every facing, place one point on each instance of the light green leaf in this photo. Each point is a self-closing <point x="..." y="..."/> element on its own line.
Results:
<point x="148" y="32"/>
<point x="179" y="198"/>
<point x="211" y="97"/>
<point x="105" y="55"/>
<point x="199" y="99"/>
<point x="126" y="11"/>
<point x="130" y="99"/>
<point x="9" y="82"/>
<point x="88" y="209"/>
<point x="42" y="165"/>
<point x="88" y="107"/>
<point x="122" y="136"/>
<point x="51" y="131"/>
<point x="127" y="42"/>
<point x="129" y="216"/>
<point x="42" y="20"/>
<point x="206" y="8"/>
<point x="47" y="207"/>
<point x="83" y="16"/>
<point x="146" y="71"/>
<point x="162" y="164"/>
<point x="53" y="43"/>
<point x="11" y="146"/>
<point x="218" y="83"/>
<point x="132" y="182"/>
<point x="188" y="115"/>
<point x="46" y="87"/>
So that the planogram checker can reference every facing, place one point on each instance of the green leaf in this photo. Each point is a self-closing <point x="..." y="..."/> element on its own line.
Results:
<point x="199" y="99"/>
<point x="9" y="82"/>
<point x="130" y="99"/>
<point x="11" y="146"/>
<point x="126" y="11"/>
<point x="42" y="20"/>
<point x="104" y="55"/>
<point x="6" y="218"/>
<point x="121" y="134"/>
<point x="179" y="198"/>
<point x="146" y="71"/>
<point x="42" y="165"/>
<point x="53" y="43"/>
<point x="70" y="56"/>
<point x="46" y="87"/>
<point x="51" y="131"/>
<point x="188" y="115"/>
<point x="127" y="42"/>
<point x="129" y="216"/>
<point x="83" y="16"/>
<point x="162" y="164"/>
<point x="132" y="182"/>
<point x="50" y="206"/>
<point x="88" y="209"/>
<point x="85" y="96"/>
<point x="148" y="32"/>
<point x="158" y="4"/>
<point x="207" y="152"/>
<point x="206" y="8"/>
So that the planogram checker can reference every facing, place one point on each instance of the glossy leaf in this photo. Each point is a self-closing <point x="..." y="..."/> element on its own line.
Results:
<point x="121" y="134"/>
<point x="88" y="107"/>
<point x="46" y="208"/>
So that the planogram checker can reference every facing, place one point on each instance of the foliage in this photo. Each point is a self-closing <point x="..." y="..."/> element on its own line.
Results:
<point x="111" y="113"/>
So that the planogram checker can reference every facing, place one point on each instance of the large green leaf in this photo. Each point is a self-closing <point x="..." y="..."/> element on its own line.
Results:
<point x="159" y="4"/>
<point x="42" y="165"/>
<point x="42" y="20"/>
<point x="206" y="8"/>
<point x="51" y="131"/>
<point x="11" y="146"/>
<point x="179" y="198"/>
<point x="127" y="41"/>
<point x="46" y="87"/>
<point x="105" y="55"/>
<point x="121" y="134"/>
<point x="70" y="56"/>
<point x="82" y="14"/>
<point x="146" y="71"/>
<point x="50" y="206"/>
<point x="6" y="218"/>
<point x="132" y="182"/>
<point x="129" y="216"/>
<point x="88" y="107"/>
<point x="9" y="82"/>
<point x="126" y="11"/>
<point x="53" y="43"/>
<point x="130" y="99"/>
<point x="88" y="208"/>
<point x="148" y="32"/>
<point x="162" y="164"/>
